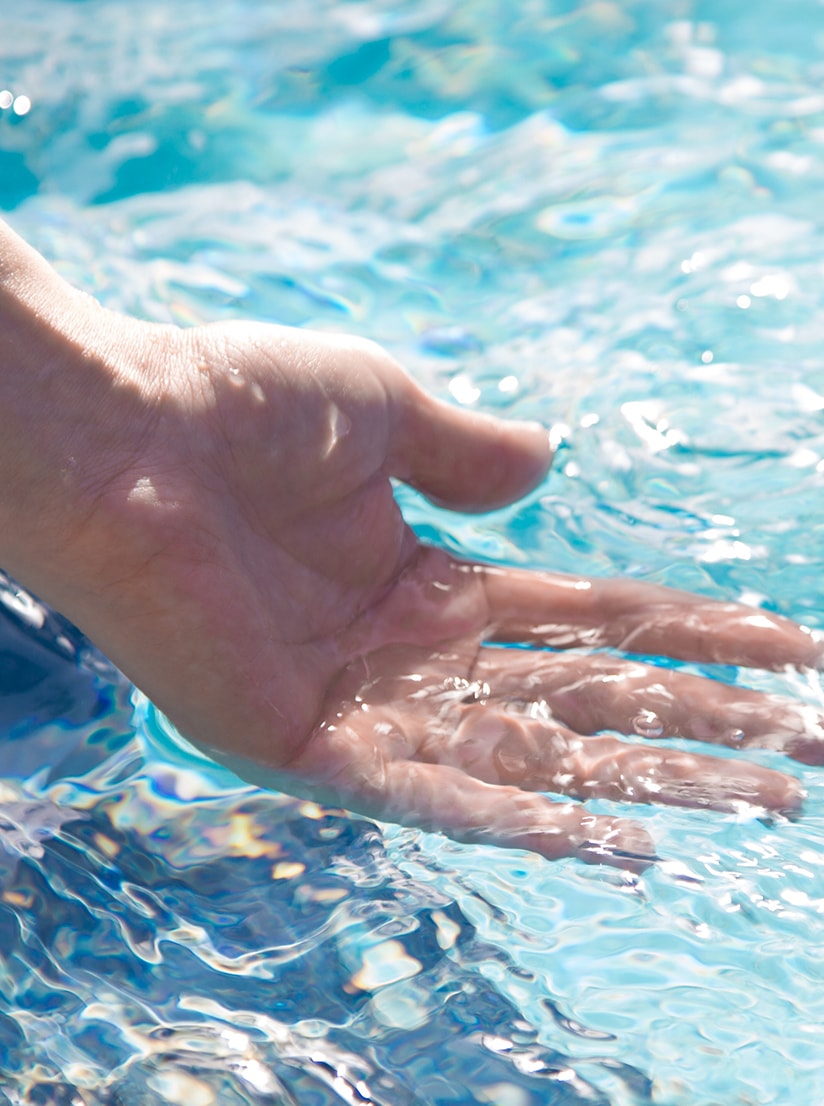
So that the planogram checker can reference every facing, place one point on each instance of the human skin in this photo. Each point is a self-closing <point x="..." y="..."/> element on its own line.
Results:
<point x="213" y="507"/>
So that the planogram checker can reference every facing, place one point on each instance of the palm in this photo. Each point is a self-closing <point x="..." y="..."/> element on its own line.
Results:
<point x="297" y="629"/>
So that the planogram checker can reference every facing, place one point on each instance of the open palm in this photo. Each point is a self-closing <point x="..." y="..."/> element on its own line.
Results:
<point x="262" y="587"/>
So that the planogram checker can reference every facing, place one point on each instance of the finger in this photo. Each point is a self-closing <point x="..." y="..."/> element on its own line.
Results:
<point x="567" y="611"/>
<point x="593" y="693"/>
<point x="461" y="459"/>
<point x="350" y="768"/>
<point x="505" y="748"/>
<point x="471" y="810"/>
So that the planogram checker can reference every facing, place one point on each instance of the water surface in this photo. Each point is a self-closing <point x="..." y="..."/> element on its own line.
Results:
<point x="604" y="215"/>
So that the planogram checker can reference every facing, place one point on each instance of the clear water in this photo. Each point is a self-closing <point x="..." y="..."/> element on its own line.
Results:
<point x="600" y="214"/>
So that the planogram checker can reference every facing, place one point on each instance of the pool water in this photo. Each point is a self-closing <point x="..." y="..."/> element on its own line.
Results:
<point x="604" y="215"/>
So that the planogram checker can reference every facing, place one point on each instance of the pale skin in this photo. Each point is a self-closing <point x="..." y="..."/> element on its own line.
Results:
<point x="213" y="507"/>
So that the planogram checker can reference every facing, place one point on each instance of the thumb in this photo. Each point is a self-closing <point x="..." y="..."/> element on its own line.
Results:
<point x="462" y="459"/>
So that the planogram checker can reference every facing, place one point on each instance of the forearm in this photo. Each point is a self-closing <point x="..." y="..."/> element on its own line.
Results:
<point x="64" y="413"/>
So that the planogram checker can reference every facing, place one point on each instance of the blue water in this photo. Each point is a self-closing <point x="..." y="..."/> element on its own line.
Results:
<point x="602" y="215"/>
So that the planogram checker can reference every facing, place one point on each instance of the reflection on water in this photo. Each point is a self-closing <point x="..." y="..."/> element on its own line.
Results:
<point x="168" y="939"/>
<point x="604" y="216"/>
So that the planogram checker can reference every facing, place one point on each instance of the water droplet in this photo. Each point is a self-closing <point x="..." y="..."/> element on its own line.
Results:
<point x="736" y="736"/>
<point x="646" y="723"/>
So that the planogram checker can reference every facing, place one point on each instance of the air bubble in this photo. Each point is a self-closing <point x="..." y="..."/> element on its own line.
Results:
<point x="646" y="723"/>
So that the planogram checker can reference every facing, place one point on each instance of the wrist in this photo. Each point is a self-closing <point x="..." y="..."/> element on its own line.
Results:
<point x="72" y="398"/>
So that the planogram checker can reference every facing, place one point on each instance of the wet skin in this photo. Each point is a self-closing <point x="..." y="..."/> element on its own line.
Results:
<point x="224" y="527"/>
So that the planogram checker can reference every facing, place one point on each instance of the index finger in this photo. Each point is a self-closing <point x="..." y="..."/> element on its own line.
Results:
<point x="562" y="612"/>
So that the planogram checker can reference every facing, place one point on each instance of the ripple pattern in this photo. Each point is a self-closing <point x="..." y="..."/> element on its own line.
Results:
<point x="602" y="215"/>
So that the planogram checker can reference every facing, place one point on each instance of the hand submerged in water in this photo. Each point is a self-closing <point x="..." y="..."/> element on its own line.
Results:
<point x="229" y="536"/>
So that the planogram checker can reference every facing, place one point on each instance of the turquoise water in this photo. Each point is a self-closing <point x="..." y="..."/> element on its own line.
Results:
<point x="601" y="215"/>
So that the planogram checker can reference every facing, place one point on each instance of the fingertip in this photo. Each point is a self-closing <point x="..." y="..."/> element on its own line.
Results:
<point x="807" y="748"/>
<point x="619" y="843"/>
<point x="792" y="804"/>
<point x="467" y="460"/>
<point x="571" y="830"/>
<point x="816" y="656"/>
<point x="518" y="456"/>
<point x="776" y="794"/>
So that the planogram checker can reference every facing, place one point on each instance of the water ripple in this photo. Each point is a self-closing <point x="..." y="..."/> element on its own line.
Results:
<point x="605" y="216"/>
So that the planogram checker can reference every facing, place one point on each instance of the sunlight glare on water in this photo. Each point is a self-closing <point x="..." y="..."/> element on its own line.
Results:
<point x="602" y="216"/>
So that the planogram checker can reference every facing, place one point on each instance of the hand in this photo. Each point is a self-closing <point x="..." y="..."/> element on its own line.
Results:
<point x="242" y="558"/>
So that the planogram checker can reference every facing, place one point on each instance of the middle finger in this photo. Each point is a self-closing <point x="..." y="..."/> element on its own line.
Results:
<point x="595" y="692"/>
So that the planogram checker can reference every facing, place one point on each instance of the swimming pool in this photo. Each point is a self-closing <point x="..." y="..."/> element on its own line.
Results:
<point x="604" y="215"/>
